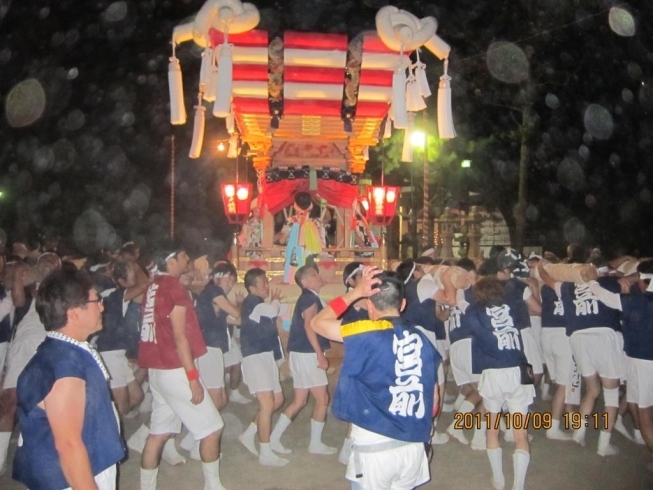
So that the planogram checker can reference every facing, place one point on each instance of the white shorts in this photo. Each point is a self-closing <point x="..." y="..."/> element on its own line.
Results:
<point x="233" y="356"/>
<point x="21" y="352"/>
<point x="171" y="406"/>
<point x="624" y="357"/>
<point x="597" y="350"/>
<point x="556" y="351"/>
<point x="304" y="371"/>
<point x="403" y="468"/>
<point x="443" y="348"/>
<point x="499" y="386"/>
<point x="211" y="368"/>
<point x="460" y="354"/>
<point x="532" y="351"/>
<point x="105" y="480"/>
<point x="639" y="389"/>
<point x="119" y="368"/>
<point x="434" y="341"/>
<point x="536" y="332"/>
<point x="261" y="373"/>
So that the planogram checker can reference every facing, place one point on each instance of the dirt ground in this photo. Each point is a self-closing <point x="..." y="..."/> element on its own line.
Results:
<point x="554" y="465"/>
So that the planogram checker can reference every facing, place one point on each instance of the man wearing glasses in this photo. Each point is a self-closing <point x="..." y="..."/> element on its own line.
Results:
<point x="70" y="436"/>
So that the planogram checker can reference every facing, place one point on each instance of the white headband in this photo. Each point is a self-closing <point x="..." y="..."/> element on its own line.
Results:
<point x="171" y="256"/>
<point x="354" y="272"/>
<point x="412" y="271"/>
<point x="219" y="275"/>
<point x="644" y="277"/>
<point x="97" y="267"/>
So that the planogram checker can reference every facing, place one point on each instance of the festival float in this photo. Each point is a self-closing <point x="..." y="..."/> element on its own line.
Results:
<point x="305" y="108"/>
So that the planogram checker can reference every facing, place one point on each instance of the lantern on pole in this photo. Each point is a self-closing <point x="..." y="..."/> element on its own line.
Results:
<point x="236" y="198"/>
<point x="382" y="204"/>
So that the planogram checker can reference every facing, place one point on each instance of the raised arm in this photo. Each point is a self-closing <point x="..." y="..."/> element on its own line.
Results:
<point x="447" y="295"/>
<point x="326" y="322"/>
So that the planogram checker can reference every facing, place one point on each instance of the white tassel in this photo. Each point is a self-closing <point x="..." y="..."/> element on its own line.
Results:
<point x="177" y="107"/>
<point x="198" y="129"/>
<point x="230" y="122"/>
<point x="414" y="100"/>
<point x="387" y="131"/>
<point x="211" y="87"/>
<point x="222" y="106"/>
<point x="399" y="112"/>
<point x="420" y="75"/>
<point x="366" y="153"/>
<point x="206" y="67"/>
<point x="445" y="114"/>
<point x="233" y="146"/>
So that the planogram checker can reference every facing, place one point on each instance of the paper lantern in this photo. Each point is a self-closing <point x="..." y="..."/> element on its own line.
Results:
<point x="382" y="204"/>
<point x="236" y="198"/>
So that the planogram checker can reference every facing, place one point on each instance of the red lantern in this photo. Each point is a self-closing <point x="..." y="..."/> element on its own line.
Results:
<point x="236" y="199"/>
<point x="383" y="203"/>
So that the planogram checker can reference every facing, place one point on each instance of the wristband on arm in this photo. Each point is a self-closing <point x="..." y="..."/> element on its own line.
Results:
<point x="193" y="375"/>
<point x="339" y="306"/>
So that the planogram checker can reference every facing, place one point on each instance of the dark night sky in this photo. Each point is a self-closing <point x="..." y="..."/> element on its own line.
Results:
<point x="85" y="146"/>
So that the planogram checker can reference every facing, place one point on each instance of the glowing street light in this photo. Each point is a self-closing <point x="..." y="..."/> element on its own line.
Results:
<point x="418" y="139"/>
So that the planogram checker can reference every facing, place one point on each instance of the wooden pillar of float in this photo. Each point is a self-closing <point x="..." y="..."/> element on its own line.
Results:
<point x="268" y="224"/>
<point x="474" y="234"/>
<point x="446" y="233"/>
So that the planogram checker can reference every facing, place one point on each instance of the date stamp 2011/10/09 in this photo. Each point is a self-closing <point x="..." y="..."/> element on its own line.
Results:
<point x="529" y="420"/>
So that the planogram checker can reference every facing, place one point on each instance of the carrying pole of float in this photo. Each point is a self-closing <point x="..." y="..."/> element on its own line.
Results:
<point x="172" y="187"/>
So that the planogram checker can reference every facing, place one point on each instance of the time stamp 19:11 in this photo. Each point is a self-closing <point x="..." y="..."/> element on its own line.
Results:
<point x="531" y="420"/>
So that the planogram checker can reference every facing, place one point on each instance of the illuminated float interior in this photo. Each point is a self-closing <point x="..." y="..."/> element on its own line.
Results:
<point x="307" y="107"/>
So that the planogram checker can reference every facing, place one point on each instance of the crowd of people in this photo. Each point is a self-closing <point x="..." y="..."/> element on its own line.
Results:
<point x="82" y="345"/>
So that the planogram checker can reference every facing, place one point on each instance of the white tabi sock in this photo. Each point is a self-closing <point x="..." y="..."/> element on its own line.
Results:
<point x="458" y="402"/>
<point x="316" y="446"/>
<point x="275" y="438"/>
<point x="496" y="463"/>
<point x="5" y="437"/>
<point x="621" y="428"/>
<point x="457" y="433"/>
<point x="605" y="448"/>
<point x="345" y="452"/>
<point x="170" y="454"/>
<point x="268" y="458"/>
<point x="212" y="476"/>
<point x="247" y="438"/>
<point x="137" y="440"/>
<point x="479" y="441"/>
<point x="579" y="436"/>
<point x="555" y="433"/>
<point x="520" y="460"/>
<point x="148" y="479"/>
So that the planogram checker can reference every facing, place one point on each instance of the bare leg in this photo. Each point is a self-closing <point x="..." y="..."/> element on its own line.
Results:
<point x="121" y="398"/>
<point x="210" y="447"/>
<point x="235" y="376"/>
<point x="8" y="403"/>
<point x="218" y="396"/>
<point x="152" y="451"/>
<point x="300" y="397"/>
